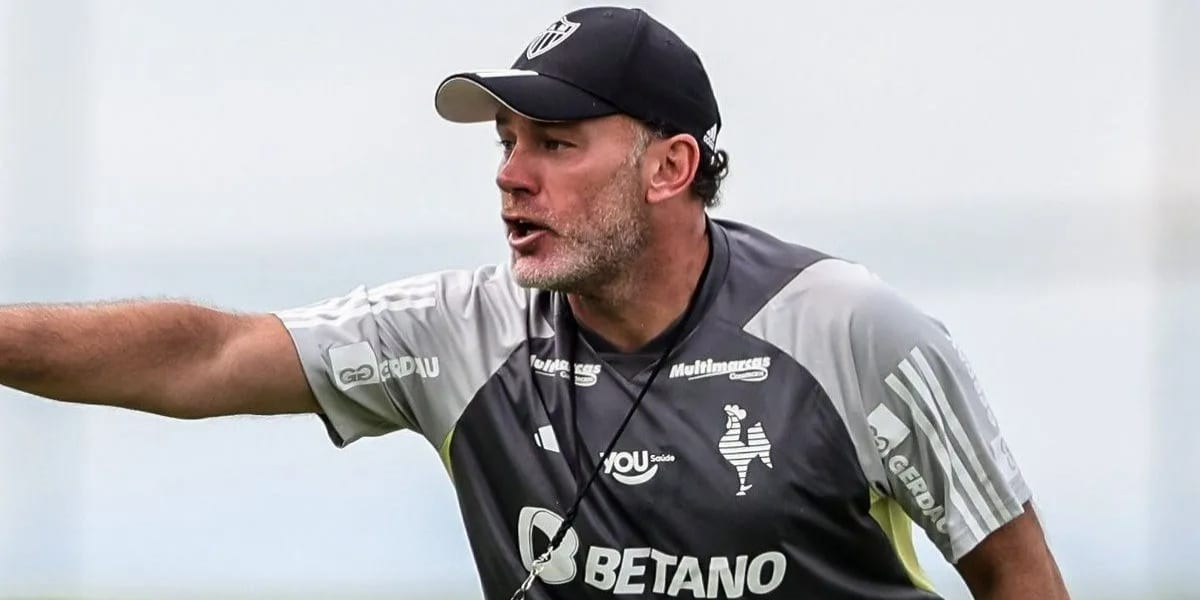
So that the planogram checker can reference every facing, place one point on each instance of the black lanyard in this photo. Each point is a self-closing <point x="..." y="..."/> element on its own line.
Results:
<point x="582" y="485"/>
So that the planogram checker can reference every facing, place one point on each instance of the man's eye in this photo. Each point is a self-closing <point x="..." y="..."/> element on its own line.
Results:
<point x="506" y="146"/>
<point x="554" y="145"/>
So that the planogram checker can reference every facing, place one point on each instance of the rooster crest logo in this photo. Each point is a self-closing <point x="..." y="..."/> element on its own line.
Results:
<point x="741" y="453"/>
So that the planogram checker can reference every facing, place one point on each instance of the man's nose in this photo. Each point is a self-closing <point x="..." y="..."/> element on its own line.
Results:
<point x="515" y="176"/>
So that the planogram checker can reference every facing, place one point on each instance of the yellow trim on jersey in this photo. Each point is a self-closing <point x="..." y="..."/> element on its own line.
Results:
<point x="898" y="528"/>
<point x="444" y="452"/>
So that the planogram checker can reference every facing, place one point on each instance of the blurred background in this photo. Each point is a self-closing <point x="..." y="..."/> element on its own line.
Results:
<point x="1028" y="172"/>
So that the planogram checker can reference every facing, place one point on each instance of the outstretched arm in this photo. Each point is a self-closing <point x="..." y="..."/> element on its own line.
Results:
<point x="168" y="358"/>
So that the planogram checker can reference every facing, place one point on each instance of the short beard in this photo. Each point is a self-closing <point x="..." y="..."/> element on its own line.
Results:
<point x="593" y="252"/>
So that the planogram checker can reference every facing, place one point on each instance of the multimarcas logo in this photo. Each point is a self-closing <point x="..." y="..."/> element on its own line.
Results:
<point x="645" y="570"/>
<point x="745" y="369"/>
<point x="585" y="373"/>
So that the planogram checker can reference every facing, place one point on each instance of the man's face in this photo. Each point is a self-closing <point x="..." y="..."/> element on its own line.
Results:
<point x="573" y="199"/>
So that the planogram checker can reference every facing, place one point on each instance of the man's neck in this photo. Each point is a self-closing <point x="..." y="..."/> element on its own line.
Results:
<point x="645" y="299"/>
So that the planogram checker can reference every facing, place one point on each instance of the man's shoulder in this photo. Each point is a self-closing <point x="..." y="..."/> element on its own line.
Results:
<point x="757" y="247"/>
<point x="488" y="288"/>
<point x="453" y="294"/>
<point x="791" y="279"/>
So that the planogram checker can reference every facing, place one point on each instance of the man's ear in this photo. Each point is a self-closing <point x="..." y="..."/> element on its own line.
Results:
<point x="672" y="163"/>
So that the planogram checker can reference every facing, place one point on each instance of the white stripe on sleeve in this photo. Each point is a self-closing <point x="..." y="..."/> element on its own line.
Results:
<point x="939" y="450"/>
<point x="401" y="295"/>
<point x="960" y="435"/>
<point x="960" y="470"/>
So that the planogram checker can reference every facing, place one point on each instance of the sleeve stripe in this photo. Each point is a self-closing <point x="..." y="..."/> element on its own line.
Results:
<point x="960" y="436"/>
<point x="401" y="295"/>
<point x="305" y="321"/>
<point x="361" y="296"/>
<point x="939" y="450"/>
<point x="960" y="469"/>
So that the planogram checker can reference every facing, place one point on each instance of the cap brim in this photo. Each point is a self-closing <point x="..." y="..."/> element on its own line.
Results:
<point x="477" y="96"/>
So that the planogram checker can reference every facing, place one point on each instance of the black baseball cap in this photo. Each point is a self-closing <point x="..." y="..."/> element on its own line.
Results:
<point x="590" y="63"/>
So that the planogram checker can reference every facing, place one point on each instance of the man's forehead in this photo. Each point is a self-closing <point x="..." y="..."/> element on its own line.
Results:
<point x="508" y="118"/>
<point x="610" y="124"/>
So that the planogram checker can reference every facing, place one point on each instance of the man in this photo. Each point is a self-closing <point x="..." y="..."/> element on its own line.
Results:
<point x="644" y="402"/>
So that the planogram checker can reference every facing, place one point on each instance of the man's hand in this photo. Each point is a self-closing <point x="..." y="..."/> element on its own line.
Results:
<point x="1014" y="563"/>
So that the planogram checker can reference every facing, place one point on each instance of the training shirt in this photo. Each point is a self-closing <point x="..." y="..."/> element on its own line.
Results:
<point x="807" y="417"/>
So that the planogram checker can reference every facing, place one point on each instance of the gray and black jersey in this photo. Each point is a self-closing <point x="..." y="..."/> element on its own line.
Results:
<point x="806" y="418"/>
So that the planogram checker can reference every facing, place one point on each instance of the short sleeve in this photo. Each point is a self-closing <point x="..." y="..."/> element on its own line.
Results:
<point x="916" y="418"/>
<point x="409" y="354"/>
<point x="944" y="458"/>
